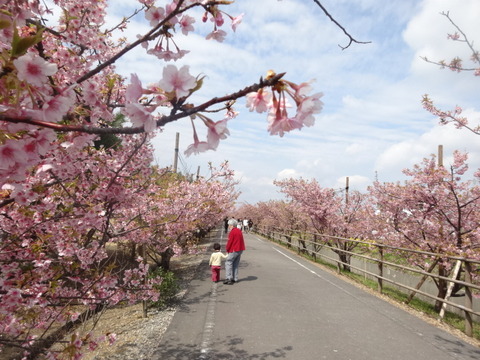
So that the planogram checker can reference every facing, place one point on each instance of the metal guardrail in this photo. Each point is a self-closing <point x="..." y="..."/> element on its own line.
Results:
<point x="313" y="244"/>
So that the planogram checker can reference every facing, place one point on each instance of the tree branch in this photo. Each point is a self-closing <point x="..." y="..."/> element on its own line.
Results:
<point x="139" y="129"/>
<point x="350" y="37"/>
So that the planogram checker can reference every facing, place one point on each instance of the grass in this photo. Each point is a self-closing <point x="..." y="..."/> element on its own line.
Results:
<point x="168" y="289"/>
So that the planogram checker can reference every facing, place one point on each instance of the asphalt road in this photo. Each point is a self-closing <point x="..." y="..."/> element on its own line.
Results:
<point x="287" y="308"/>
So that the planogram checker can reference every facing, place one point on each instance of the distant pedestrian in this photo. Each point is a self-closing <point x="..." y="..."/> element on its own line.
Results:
<point x="225" y="224"/>
<point x="245" y="225"/>
<point x="216" y="262"/>
<point x="235" y="247"/>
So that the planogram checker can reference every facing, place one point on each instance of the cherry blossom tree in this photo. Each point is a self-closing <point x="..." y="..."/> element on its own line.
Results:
<point x="183" y="210"/>
<point x="56" y="232"/>
<point x="330" y="213"/>
<point x="274" y="214"/>
<point x="435" y="211"/>
<point x="62" y="235"/>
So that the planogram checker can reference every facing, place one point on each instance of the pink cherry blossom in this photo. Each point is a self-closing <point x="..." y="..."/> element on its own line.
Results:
<point x="11" y="153"/>
<point x="218" y="18"/>
<point x="218" y="35"/>
<point x="168" y="55"/>
<point x="279" y="123"/>
<point x="155" y="15"/>
<point x="310" y="105"/>
<point x="177" y="80"/>
<point x="216" y="131"/>
<point x="259" y="101"/>
<point x="44" y="139"/>
<point x="141" y="115"/>
<point x="134" y="90"/>
<point x="33" y="69"/>
<point x="197" y="146"/>
<point x="186" y="24"/>
<point x="56" y="107"/>
<point x="236" y="21"/>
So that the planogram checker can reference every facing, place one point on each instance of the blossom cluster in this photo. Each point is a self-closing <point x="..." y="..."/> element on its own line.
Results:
<point x="276" y="103"/>
<point x="456" y="64"/>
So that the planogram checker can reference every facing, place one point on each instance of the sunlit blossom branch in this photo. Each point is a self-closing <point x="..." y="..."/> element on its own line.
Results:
<point x="151" y="35"/>
<point x="124" y="21"/>
<point x="130" y="157"/>
<point x="140" y="129"/>
<point x="62" y="185"/>
<point x="10" y="200"/>
<point x="447" y="117"/>
<point x="475" y="54"/>
<point x="350" y="37"/>
<point x="456" y="63"/>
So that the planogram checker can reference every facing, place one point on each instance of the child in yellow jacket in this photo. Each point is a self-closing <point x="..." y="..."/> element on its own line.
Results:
<point x="216" y="262"/>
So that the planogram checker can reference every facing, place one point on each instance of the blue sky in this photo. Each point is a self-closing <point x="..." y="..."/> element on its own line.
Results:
<point x="372" y="124"/>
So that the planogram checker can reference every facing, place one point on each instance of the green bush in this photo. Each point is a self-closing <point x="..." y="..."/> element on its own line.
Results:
<point x="168" y="288"/>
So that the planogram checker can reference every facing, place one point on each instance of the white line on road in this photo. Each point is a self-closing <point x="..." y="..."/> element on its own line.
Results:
<point x="209" y="324"/>
<point x="313" y="272"/>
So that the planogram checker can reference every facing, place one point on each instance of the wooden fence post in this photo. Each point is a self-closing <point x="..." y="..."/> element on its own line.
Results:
<point x="144" y="302"/>
<point x="468" y="300"/>
<point x="380" y="269"/>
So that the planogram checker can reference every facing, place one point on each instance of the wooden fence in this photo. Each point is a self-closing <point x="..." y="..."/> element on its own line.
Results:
<point x="343" y="250"/>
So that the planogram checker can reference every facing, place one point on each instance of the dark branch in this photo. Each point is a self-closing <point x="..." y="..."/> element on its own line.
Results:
<point x="350" y="37"/>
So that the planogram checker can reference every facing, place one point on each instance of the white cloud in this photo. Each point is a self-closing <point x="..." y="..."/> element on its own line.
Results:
<point x="356" y="182"/>
<point x="287" y="174"/>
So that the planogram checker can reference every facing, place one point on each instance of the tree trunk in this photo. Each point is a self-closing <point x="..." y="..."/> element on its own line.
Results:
<point x="133" y="252"/>
<point x="166" y="256"/>
<point x="442" y="287"/>
<point x="345" y="259"/>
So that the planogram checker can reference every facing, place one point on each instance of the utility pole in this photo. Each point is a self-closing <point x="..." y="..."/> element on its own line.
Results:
<point x="175" y="159"/>
<point x="440" y="155"/>
<point x="198" y="172"/>
<point x="346" y="189"/>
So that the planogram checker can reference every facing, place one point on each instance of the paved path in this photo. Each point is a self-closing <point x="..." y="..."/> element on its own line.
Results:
<point x="287" y="308"/>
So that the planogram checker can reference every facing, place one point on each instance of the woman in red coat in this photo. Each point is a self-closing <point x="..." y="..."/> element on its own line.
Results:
<point x="235" y="246"/>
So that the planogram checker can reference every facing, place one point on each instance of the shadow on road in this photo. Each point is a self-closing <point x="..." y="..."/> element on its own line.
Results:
<point x="458" y="347"/>
<point x="232" y="346"/>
